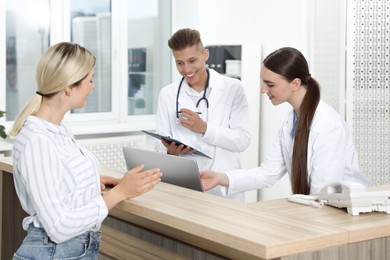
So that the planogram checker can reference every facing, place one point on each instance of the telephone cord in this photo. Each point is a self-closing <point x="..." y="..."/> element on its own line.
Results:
<point x="309" y="200"/>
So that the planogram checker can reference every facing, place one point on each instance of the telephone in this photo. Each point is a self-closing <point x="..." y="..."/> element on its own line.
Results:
<point x="350" y="195"/>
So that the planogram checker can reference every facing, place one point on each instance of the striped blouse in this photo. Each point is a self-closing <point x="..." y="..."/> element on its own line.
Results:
<point x="57" y="181"/>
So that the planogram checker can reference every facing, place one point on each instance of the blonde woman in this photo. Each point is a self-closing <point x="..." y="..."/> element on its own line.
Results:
<point x="56" y="179"/>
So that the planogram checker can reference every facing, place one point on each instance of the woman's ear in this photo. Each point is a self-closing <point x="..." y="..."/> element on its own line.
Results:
<point x="295" y="83"/>
<point x="68" y="91"/>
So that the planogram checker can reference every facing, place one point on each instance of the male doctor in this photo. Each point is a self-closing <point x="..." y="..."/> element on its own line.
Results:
<point x="204" y="109"/>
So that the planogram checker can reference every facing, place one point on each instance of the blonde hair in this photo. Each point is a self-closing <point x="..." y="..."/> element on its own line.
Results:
<point x="62" y="65"/>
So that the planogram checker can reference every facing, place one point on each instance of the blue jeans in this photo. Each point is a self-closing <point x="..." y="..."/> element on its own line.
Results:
<point x="37" y="245"/>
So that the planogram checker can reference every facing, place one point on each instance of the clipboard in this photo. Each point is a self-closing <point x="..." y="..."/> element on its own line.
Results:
<point x="177" y="142"/>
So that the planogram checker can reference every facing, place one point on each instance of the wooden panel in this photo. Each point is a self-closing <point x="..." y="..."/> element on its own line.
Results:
<point x="161" y="241"/>
<point x="122" y="246"/>
<point x="12" y="233"/>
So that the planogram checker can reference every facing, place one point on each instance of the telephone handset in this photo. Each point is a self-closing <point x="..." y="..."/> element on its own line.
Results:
<point x="350" y="195"/>
<point x="342" y="187"/>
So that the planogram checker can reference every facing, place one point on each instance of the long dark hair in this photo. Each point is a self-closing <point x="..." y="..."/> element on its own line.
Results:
<point x="291" y="64"/>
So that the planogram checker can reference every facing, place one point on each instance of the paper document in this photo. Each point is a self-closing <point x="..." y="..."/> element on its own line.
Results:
<point x="177" y="142"/>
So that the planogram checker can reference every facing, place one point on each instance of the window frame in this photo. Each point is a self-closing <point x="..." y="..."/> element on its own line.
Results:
<point x="117" y="120"/>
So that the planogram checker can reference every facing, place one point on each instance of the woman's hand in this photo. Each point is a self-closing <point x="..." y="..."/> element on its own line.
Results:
<point x="134" y="183"/>
<point x="211" y="179"/>
<point x="107" y="181"/>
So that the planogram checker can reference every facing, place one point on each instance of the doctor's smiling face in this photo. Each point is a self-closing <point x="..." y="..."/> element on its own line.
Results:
<point x="277" y="88"/>
<point x="191" y="64"/>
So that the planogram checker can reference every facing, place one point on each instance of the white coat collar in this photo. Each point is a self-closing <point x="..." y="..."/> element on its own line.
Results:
<point x="216" y="85"/>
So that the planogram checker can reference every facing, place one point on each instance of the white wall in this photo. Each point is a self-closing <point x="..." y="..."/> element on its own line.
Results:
<point x="273" y="24"/>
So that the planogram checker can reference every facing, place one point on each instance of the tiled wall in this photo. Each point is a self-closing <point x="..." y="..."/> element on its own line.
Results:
<point x="371" y="69"/>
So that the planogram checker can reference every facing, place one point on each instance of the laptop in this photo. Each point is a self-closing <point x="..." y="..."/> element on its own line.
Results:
<point x="176" y="170"/>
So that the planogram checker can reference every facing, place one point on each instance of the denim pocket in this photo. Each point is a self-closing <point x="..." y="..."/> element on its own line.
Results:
<point x="33" y="247"/>
<point x="72" y="249"/>
<point x="16" y="257"/>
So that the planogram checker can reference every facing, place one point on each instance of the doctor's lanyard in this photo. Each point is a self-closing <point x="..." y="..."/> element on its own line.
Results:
<point x="202" y="98"/>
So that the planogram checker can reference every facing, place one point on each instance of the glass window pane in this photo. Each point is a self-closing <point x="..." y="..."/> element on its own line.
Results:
<point x="27" y="36"/>
<point x="148" y="54"/>
<point x="91" y="28"/>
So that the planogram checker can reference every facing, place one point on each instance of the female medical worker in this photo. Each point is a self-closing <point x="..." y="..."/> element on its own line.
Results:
<point x="313" y="144"/>
<point x="204" y="109"/>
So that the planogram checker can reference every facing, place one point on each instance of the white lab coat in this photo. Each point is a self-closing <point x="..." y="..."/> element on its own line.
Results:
<point x="228" y="127"/>
<point x="331" y="156"/>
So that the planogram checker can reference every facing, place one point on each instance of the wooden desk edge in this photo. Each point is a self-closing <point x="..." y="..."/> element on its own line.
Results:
<point x="270" y="252"/>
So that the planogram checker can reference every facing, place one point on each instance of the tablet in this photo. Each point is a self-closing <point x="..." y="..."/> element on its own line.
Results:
<point x="176" y="170"/>
<point x="177" y="142"/>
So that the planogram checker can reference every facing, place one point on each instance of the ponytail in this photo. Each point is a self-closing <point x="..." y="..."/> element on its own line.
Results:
<point x="291" y="64"/>
<point x="299" y="171"/>
<point x="62" y="65"/>
<point x="30" y="108"/>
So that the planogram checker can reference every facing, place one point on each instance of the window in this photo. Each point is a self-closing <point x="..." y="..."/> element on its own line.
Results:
<point x="26" y="37"/>
<point x="147" y="59"/>
<point x="129" y="39"/>
<point x="91" y="27"/>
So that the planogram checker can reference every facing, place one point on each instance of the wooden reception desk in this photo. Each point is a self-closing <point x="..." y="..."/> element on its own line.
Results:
<point x="226" y="229"/>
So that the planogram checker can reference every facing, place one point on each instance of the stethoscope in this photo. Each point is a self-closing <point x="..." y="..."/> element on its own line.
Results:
<point x="202" y="98"/>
